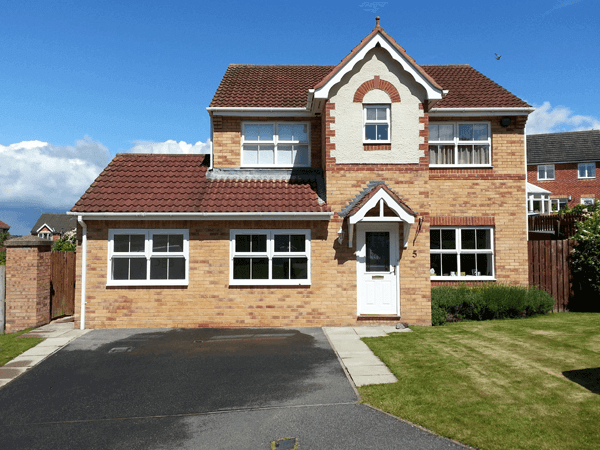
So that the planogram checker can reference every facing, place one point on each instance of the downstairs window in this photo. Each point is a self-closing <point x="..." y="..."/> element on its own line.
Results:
<point x="270" y="257"/>
<point x="141" y="257"/>
<point x="465" y="252"/>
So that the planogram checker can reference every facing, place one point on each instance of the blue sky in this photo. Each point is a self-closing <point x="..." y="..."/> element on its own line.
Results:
<point x="82" y="80"/>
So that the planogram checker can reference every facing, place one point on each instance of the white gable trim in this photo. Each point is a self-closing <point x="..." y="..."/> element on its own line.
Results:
<point x="477" y="112"/>
<point x="47" y="226"/>
<point x="433" y="93"/>
<point x="381" y="197"/>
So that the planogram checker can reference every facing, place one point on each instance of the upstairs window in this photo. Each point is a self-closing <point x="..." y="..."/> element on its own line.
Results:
<point x="376" y="119"/>
<point x="459" y="143"/>
<point x="546" y="172"/>
<point x="586" y="170"/>
<point x="285" y="144"/>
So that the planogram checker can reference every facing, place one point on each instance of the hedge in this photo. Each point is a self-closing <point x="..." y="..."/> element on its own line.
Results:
<point x="486" y="301"/>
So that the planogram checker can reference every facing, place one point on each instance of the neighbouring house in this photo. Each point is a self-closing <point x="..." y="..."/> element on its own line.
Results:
<point x="4" y="227"/>
<point x="54" y="225"/>
<point x="565" y="165"/>
<point x="333" y="195"/>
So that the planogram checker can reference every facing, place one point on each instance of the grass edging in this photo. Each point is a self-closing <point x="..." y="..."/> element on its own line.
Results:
<point x="11" y="345"/>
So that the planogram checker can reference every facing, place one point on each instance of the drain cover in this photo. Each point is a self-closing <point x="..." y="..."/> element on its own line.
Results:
<point x="284" y="444"/>
<point x="120" y="349"/>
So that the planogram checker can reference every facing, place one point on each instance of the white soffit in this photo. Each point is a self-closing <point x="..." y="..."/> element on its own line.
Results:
<point x="432" y="92"/>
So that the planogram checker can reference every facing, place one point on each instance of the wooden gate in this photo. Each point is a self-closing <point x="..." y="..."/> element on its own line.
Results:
<point x="62" y="284"/>
<point x="549" y="270"/>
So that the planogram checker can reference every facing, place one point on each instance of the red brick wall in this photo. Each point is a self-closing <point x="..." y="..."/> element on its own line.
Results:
<point x="566" y="183"/>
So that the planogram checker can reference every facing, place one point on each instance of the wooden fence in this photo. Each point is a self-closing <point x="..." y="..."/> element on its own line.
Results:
<point x="549" y="270"/>
<point x="563" y="226"/>
<point x="62" y="284"/>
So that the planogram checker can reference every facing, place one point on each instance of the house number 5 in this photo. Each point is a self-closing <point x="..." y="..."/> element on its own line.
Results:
<point x="414" y="253"/>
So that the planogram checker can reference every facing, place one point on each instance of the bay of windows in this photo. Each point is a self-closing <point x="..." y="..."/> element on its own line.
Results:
<point x="285" y="144"/>
<point x="462" y="252"/>
<point x="148" y="257"/>
<point x="458" y="143"/>
<point x="277" y="257"/>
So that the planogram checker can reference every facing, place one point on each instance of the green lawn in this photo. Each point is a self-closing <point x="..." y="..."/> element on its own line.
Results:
<point x="504" y="384"/>
<point x="11" y="345"/>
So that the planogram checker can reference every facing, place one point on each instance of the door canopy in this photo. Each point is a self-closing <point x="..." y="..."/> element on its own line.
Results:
<point x="378" y="203"/>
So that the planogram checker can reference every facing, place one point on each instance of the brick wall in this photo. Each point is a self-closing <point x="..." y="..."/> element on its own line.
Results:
<point x="497" y="193"/>
<point x="566" y="183"/>
<point x="228" y="139"/>
<point x="27" y="287"/>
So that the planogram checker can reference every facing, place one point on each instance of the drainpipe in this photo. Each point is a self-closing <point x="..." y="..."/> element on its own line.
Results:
<point x="83" y="270"/>
<point x="526" y="195"/>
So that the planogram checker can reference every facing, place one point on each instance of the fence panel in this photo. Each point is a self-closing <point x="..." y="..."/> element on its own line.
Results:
<point x="62" y="284"/>
<point x="549" y="269"/>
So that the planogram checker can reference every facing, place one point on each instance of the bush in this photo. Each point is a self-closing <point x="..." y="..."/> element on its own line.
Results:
<point x="486" y="302"/>
<point x="67" y="243"/>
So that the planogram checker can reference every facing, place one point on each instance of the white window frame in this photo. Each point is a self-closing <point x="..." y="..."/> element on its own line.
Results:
<point x="270" y="254"/>
<point x="555" y="204"/>
<point x="588" y="201"/>
<point x="45" y="235"/>
<point x="387" y="122"/>
<point x="456" y="142"/>
<point x="147" y="254"/>
<point x="275" y="143"/>
<point x="587" y="176"/>
<point x="458" y="251"/>
<point x="544" y="167"/>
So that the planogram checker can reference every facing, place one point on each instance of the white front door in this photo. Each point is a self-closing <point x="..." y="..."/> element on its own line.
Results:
<point x="377" y="268"/>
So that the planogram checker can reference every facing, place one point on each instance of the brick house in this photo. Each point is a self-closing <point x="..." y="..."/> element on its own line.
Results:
<point x="333" y="195"/>
<point x="54" y="225"/>
<point x="565" y="165"/>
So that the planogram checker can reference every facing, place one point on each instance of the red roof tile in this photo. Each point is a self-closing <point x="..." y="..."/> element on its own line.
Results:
<point x="4" y="225"/>
<point x="287" y="86"/>
<point x="178" y="183"/>
<point x="267" y="86"/>
<point x="469" y="88"/>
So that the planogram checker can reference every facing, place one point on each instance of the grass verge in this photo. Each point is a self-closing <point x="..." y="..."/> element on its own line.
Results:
<point x="530" y="383"/>
<point x="12" y="346"/>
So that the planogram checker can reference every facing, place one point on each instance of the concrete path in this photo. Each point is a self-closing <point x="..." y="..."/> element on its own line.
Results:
<point x="56" y="335"/>
<point x="360" y="362"/>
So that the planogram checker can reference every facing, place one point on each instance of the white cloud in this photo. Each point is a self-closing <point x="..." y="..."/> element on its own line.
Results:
<point x="55" y="177"/>
<point x="35" y="172"/>
<point x="170" y="146"/>
<point x="546" y="119"/>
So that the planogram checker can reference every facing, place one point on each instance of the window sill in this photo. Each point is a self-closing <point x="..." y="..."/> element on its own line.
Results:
<point x="147" y="283"/>
<point x="261" y="283"/>
<point x="274" y="166"/>
<point x="465" y="278"/>
<point x="586" y="178"/>
<point x="460" y="166"/>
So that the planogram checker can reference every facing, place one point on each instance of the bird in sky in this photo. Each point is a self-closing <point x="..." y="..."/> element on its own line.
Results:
<point x="498" y="56"/>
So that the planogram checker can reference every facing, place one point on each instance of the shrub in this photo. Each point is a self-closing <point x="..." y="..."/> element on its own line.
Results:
<point x="67" y="243"/>
<point x="486" y="301"/>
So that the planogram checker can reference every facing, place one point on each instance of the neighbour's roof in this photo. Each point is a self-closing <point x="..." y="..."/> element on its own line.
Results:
<point x="4" y="225"/>
<point x="272" y="86"/>
<point x="574" y="146"/>
<point x="59" y="222"/>
<point x="178" y="183"/>
<point x="533" y="189"/>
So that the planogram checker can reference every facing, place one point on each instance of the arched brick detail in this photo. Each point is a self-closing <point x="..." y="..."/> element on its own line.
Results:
<point x="376" y="83"/>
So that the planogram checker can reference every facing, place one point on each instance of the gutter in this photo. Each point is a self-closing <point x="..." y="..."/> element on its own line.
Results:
<point x="255" y="111"/>
<point x="203" y="216"/>
<point x="83" y="270"/>
<point x="449" y="112"/>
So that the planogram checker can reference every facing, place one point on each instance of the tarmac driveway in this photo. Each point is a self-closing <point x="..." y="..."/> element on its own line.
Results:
<point x="202" y="388"/>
